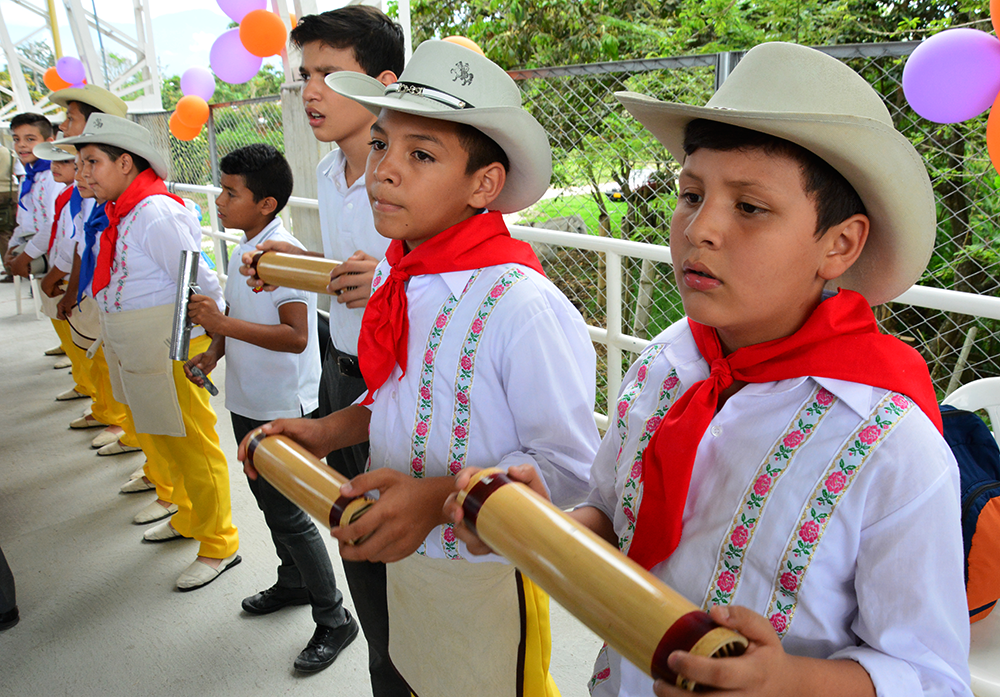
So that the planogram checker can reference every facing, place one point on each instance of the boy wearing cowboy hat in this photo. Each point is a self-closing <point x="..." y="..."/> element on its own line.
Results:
<point x="773" y="457"/>
<point x="471" y="357"/>
<point x="134" y="284"/>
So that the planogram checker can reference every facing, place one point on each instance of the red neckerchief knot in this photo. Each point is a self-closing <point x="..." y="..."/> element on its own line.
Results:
<point x="143" y="186"/>
<point x="840" y="340"/>
<point x="482" y="240"/>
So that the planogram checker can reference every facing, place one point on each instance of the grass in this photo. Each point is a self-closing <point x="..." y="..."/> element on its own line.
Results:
<point x="582" y="205"/>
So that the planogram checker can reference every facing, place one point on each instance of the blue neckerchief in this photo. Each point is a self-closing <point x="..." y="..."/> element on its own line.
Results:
<point x="75" y="203"/>
<point x="94" y="226"/>
<point x="30" y="170"/>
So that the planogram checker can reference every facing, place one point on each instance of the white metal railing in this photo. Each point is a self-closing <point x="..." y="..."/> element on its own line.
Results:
<point x="613" y="250"/>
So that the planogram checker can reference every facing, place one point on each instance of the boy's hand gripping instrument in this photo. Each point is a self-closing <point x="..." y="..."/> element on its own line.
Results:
<point x="180" y="337"/>
<point x="294" y="271"/>
<point x="637" y="614"/>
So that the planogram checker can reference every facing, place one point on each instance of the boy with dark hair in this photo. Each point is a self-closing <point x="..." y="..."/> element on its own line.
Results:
<point x="36" y="200"/>
<point x="135" y="284"/>
<point x="773" y="457"/>
<point x="358" y="39"/>
<point x="272" y="335"/>
<point x="471" y="356"/>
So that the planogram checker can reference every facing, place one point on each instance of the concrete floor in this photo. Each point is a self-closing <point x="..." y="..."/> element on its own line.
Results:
<point x="99" y="613"/>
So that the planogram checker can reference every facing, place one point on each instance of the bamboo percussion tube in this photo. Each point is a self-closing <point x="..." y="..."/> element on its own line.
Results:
<point x="304" y="480"/>
<point x="294" y="271"/>
<point x="636" y="613"/>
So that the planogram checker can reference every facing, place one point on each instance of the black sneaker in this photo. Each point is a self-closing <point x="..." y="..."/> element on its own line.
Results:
<point x="325" y="645"/>
<point x="275" y="598"/>
<point x="9" y="619"/>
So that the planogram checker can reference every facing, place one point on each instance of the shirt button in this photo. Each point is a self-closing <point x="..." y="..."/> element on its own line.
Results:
<point x="350" y="206"/>
<point x="716" y="431"/>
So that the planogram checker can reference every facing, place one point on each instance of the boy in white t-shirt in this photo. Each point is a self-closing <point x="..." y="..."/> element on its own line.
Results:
<point x="272" y="335"/>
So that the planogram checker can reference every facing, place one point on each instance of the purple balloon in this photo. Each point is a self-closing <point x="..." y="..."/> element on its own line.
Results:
<point x="199" y="82"/>
<point x="71" y="70"/>
<point x="953" y="76"/>
<point x="230" y="61"/>
<point x="236" y="10"/>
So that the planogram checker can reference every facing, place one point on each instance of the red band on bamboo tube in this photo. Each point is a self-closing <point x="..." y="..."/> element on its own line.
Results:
<point x="681" y="636"/>
<point x="478" y="494"/>
<point x="252" y="445"/>
<point x="337" y="510"/>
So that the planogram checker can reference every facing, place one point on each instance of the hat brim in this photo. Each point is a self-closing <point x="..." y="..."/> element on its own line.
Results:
<point x="878" y="161"/>
<point x="54" y="152"/>
<point x="516" y="131"/>
<point x="131" y="145"/>
<point x="98" y="98"/>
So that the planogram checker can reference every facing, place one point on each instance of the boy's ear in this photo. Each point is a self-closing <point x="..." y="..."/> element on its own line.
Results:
<point x="488" y="182"/>
<point x="387" y="77"/>
<point x="844" y="243"/>
<point x="50" y="138"/>
<point x="267" y="205"/>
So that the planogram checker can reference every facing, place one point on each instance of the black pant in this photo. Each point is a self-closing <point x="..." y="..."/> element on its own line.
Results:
<point x="305" y="561"/>
<point x="365" y="579"/>
<point x="8" y="599"/>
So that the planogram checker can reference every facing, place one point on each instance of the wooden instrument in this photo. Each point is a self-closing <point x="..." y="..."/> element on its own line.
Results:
<point x="636" y="613"/>
<point x="294" y="271"/>
<point x="304" y="479"/>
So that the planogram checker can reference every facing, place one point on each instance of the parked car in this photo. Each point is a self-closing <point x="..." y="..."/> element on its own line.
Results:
<point x="644" y="183"/>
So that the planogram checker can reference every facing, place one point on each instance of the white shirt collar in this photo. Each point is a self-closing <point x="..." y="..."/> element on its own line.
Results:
<point x="268" y="231"/>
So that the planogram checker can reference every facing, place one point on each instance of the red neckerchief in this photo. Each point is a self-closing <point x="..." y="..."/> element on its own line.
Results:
<point x="61" y="201"/>
<point x="482" y="240"/>
<point x="145" y="185"/>
<point x="840" y="340"/>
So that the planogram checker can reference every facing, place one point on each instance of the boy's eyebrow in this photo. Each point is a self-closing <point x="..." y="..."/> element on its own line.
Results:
<point x="423" y="137"/>
<point x="731" y="183"/>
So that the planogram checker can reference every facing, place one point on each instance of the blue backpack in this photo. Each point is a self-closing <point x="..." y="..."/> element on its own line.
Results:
<point x="978" y="458"/>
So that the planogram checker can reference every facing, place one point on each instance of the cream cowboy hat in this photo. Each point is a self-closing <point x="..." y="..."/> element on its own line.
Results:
<point x="121" y="133"/>
<point x="452" y="83"/>
<point x="815" y="101"/>
<point x="55" y="151"/>
<point x="95" y="96"/>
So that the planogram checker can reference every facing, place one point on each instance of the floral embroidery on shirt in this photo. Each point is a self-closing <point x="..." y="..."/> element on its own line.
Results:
<point x="377" y="281"/>
<point x="632" y="491"/>
<point x="462" y="422"/>
<point x="834" y="482"/>
<point x="741" y="531"/>
<point x="119" y="260"/>
<point x="602" y="669"/>
<point x="425" y="393"/>
<point x="633" y="390"/>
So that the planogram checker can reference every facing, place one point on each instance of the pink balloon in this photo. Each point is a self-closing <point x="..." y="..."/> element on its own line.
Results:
<point x="71" y="70"/>
<point x="199" y="82"/>
<point x="236" y="10"/>
<point x="230" y="61"/>
<point x="953" y="76"/>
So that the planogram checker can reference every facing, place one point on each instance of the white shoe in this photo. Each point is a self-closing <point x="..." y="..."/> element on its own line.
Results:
<point x="154" y="512"/>
<point x="70" y="394"/>
<point x="116" y="448"/>
<point x="62" y="363"/>
<point x="55" y="351"/>
<point x="136" y="485"/>
<point x="141" y="472"/>
<point x="88" y="411"/>
<point x="86" y="422"/>
<point x="103" y="438"/>
<point x="161" y="533"/>
<point x="201" y="574"/>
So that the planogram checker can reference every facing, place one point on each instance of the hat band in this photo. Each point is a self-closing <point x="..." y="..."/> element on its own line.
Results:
<point x="402" y="88"/>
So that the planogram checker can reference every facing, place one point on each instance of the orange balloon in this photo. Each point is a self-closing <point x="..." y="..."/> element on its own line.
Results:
<point x="995" y="15"/>
<point x="993" y="134"/>
<point x="53" y="81"/>
<point x="182" y="131"/>
<point x="470" y="44"/>
<point x="192" y="111"/>
<point x="262" y="33"/>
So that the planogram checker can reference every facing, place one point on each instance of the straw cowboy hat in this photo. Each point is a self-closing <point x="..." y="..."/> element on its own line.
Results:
<point x="449" y="82"/>
<point x="121" y="133"/>
<point x="95" y="96"/>
<point x="56" y="151"/>
<point x="815" y="101"/>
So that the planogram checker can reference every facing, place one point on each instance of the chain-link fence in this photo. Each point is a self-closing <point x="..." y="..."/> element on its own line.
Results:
<point x="612" y="178"/>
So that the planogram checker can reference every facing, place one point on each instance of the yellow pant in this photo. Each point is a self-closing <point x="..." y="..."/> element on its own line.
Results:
<point x="81" y="370"/>
<point x="198" y="473"/>
<point x="537" y="643"/>
<point x="106" y="408"/>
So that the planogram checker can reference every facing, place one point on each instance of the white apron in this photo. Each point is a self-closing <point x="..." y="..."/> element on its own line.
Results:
<point x="137" y="348"/>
